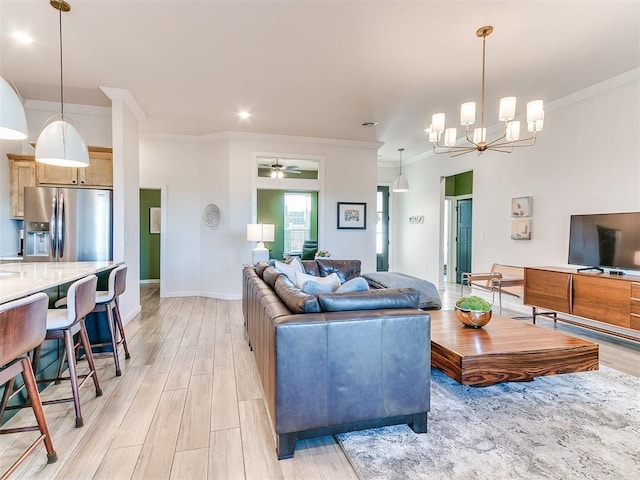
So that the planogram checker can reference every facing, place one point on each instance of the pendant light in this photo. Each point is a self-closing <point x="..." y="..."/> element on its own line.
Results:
<point x="60" y="142"/>
<point x="400" y="184"/>
<point x="13" y="121"/>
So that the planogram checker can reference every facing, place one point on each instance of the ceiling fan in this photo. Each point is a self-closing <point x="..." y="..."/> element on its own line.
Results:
<point x="278" y="169"/>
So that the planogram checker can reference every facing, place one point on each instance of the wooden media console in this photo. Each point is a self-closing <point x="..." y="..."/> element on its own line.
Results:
<point x="611" y="300"/>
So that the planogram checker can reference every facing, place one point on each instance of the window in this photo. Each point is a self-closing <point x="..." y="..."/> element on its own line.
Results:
<point x="297" y="220"/>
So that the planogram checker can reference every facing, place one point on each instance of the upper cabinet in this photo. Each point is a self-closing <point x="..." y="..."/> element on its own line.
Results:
<point x="99" y="173"/>
<point x="24" y="171"/>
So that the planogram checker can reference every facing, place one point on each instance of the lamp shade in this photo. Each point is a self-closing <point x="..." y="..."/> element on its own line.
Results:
<point x="13" y="121"/>
<point x="260" y="232"/>
<point x="61" y="144"/>
<point x="400" y="184"/>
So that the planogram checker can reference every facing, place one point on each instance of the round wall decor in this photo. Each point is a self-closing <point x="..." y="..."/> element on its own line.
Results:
<point x="211" y="215"/>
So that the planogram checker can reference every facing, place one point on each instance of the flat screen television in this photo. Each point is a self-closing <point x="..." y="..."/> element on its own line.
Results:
<point x="605" y="240"/>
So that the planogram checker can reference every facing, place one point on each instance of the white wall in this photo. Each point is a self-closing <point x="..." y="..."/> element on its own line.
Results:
<point x="175" y="162"/>
<point x="220" y="169"/>
<point x="586" y="160"/>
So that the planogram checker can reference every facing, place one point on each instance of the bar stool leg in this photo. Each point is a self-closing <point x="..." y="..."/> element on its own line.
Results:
<point x="121" y="328"/>
<point x="73" y="375"/>
<point x="84" y="338"/>
<point x="36" y="405"/>
<point x="114" y="340"/>
<point x="6" y="395"/>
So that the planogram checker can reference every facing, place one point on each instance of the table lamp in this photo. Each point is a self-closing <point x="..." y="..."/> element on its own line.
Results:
<point x="260" y="232"/>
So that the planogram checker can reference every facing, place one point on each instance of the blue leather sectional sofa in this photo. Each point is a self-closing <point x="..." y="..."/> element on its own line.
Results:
<point x="336" y="362"/>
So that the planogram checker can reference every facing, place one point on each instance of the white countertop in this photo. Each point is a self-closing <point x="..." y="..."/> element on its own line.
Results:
<point x="24" y="278"/>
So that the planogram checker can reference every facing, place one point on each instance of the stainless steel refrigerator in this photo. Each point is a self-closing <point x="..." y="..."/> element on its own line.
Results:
<point x="67" y="224"/>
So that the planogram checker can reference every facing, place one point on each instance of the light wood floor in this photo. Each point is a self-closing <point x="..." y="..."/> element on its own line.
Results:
<point x="189" y="404"/>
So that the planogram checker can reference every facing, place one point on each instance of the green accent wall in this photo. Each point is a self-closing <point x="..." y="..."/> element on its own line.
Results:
<point x="271" y="210"/>
<point x="149" y="243"/>
<point x="461" y="184"/>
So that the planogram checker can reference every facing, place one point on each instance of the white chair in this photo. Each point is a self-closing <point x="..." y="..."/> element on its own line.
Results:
<point x="108" y="302"/>
<point x="64" y="323"/>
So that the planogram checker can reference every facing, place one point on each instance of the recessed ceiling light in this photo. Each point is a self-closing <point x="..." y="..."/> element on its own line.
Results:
<point x="243" y="114"/>
<point x="369" y="124"/>
<point x="22" y="37"/>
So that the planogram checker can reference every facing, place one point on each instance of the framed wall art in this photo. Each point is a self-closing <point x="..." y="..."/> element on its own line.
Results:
<point x="154" y="220"/>
<point x="521" y="229"/>
<point x="352" y="215"/>
<point x="521" y="207"/>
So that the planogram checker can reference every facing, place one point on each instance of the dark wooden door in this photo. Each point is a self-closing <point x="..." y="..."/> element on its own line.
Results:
<point x="463" y="250"/>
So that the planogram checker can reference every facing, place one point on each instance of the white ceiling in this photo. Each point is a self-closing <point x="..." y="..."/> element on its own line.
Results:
<point x="316" y="68"/>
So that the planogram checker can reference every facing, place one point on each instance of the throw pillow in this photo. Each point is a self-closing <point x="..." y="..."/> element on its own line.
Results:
<point x="312" y="287"/>
<point x="290" y="269"/>
<point x="331" y="280"/>
<point x="357" y="284"/>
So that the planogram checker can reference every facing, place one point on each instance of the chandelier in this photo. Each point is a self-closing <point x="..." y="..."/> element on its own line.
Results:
<point x="444" y="139"/>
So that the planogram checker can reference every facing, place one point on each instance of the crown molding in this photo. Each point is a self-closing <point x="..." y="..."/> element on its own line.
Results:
<point x="259" y="137"/>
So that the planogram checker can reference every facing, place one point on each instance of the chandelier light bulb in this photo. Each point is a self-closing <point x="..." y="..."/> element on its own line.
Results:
<point x="513" y="131"/>
<point x="450" y="136"/>
<point x="507" y="109"/>
<point x="479" y="135"/>
<point x="468" y="113"/>
<point x="535" y="111"/>
<point x="437" y="123"/>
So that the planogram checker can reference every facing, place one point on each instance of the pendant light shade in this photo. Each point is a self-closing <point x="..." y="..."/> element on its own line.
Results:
<point x="400" y="183"/>
<point x="13" y="121"/>
<point x="61" y="144"/>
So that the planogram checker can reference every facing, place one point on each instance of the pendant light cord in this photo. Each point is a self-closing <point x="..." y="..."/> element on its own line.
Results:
<point x="61" y="87"/>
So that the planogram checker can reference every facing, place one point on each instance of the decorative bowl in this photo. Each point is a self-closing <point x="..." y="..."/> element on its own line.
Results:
<point x="473" y="318"/>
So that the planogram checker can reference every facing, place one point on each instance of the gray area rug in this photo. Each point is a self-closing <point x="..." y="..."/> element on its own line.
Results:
<point x="575" y="426"/>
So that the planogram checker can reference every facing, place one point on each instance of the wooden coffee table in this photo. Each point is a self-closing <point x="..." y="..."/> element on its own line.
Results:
<point x="504" y="350"/>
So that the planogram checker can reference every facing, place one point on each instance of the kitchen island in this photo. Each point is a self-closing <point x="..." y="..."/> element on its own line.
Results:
<point x="24" y="278"/>
<point x="21" y="279"/>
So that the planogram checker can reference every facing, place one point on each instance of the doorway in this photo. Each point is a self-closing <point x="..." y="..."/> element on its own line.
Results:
<point x="150" y="204"/>
<point x="382" y="229"/>
<point x="456" y="234"/>
<point x="464" y="215"/>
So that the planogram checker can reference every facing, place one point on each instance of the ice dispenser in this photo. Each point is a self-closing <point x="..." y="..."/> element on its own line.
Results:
<point x="38" y="239"/>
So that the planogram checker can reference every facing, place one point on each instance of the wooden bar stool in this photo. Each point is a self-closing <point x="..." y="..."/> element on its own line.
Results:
<point x="108" y="302"/>
<point x="64" y="323"/>
<point x="22" y="329"/>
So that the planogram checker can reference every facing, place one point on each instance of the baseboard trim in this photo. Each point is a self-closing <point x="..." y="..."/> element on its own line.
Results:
<point x="150" y="280"/>
<point x="131" y="315"/>
<point x="219" y="296"/>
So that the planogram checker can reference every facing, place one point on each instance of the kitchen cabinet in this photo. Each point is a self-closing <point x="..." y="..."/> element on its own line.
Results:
<point x="22" y="173"/>
<point x="99" y="173"/>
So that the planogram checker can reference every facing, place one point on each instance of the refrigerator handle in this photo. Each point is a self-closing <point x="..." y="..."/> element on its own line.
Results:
<point x="52" y="227"/>
<point x="61" y="225"/>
